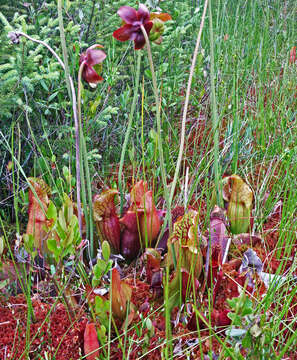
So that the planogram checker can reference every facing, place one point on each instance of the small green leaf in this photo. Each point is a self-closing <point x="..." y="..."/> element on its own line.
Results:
<point x="99" y="268"/>
<point x="60" y="231"/>
<point x="247" y="341"/>
<point x="62" y="221"/>
<point x="52" y="246"/>
<point x="246" y="311"/>
<point x="102" y="332"/>
<point x="95" y="104"/>
<point x="148" y="324"/>
<point x="236" y="319"/>
<point x="51" y="211"/>
<point x="65" y="172"/>
<point x="232" y="303"/>
<point x="148" y="73"/>
<point x="43" y="84"/>
<point x="95" y="282"/>
<point x="3" y="283"/>
<point x="101" y="310"/>
<point x="52" y="96"/>
<point x="1" y="245"/>
<point x="69" y="239"/>
<point x="105" y="250"/>
<point x="28" y="242"/>
<point x="108" y="267"/>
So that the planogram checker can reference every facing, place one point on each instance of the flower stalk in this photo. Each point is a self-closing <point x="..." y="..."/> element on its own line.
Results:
<point x="158" y="108"/>
<point x="84" y="165"/>
<point x="14" y="36"/>
<point x="131" y="115"/>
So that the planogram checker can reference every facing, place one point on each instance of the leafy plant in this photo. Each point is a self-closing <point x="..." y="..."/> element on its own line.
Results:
<point x="102" y="266"/>
<point x="64" y="238"/>
<point x="249" y="330"/>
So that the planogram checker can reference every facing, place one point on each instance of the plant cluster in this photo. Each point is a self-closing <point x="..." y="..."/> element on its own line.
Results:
<point x="155" y="279"/>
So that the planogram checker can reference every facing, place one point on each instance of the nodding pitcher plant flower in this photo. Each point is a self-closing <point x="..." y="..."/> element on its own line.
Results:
<point x="134" y="19"/>
<point x="92" y="59"/>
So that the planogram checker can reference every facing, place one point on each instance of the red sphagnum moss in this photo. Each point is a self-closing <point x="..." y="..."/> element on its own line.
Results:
<point x="55" y="334"/>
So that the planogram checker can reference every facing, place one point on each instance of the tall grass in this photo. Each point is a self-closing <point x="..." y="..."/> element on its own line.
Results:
<point x="243" y="82"/>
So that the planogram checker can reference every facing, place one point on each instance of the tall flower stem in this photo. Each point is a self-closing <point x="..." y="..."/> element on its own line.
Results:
<point x="85" y="169"/>
<point x="185" y="110"/>
<point x="131" y="115"/>
<point x="158" y="108"/>
<point x="72" y="96"/>
<point x="14" y="36"/>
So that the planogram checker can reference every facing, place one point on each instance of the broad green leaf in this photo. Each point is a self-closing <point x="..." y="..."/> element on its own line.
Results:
<point x="101" y="310"/>
<point x="62" y="221"/>
<point x="99" y="268"/>
<point x="105" y="250"/>
<point x="52" y="246"/>
<point x="247" y="341"/>
<point x="61" y="232"/>
<point x="51" y="211"/>
<point x="65" y="171"/>
<point x="95" y="282"/>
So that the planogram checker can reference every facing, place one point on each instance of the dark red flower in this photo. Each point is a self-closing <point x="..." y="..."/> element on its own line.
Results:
<point x="91" y="58"/>
<point x="131" y="30"/>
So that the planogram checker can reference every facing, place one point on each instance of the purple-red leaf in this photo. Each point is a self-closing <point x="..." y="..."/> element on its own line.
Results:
<point x="106" y="218"/>
<point x="121" y="294"/>
<point x="218" y="230"/>
<point x="188" y="284"/>
<point x="130" y="243"/>
<point x="150" y="221"/>
<point x="137" y="193"/>
<point x="91" y="344"/>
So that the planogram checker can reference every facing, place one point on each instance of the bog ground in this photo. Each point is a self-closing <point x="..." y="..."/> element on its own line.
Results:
<point x="148" y="180"/>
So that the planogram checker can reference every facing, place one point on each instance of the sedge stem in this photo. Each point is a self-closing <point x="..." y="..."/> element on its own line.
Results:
<point x="187" y="99"/>
<point x="160" y="148"/>
<point x="214" y="111"/>
<point x="130" y="121"/>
